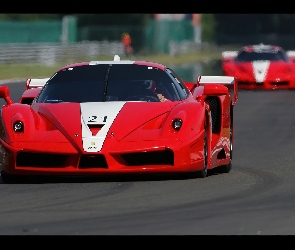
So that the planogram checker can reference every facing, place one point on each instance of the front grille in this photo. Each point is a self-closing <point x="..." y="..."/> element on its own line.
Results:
<point x="285" y="83"/>
<point x="24" y="159"/>
<point x="165" y="157"/>
<point x="280" y="83"/>
<point x="40" y="159"/>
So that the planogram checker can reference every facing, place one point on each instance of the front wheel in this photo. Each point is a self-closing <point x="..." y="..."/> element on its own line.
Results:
<point x="204" y="172"/>
<point x="8" y="178"/>
<point x="12" y="179"/>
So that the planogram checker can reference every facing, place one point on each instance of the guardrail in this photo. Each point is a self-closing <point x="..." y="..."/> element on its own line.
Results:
<point x="177" y="48"/>
<point x="50" y="54"/>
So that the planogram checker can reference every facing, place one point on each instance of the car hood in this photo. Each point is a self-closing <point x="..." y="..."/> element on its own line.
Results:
<point x="94" y="122"/>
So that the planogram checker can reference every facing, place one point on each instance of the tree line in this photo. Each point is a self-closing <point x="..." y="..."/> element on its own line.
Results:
<point x="234" y="24"/>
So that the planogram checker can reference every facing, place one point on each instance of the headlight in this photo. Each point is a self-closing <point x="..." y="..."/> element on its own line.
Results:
<point x="176" y="124"/>
<point x="18" y="126"/>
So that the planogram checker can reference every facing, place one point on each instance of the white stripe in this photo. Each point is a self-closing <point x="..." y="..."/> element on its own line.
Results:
<point x="103" y="113"/>
<point x="260" y="69"/>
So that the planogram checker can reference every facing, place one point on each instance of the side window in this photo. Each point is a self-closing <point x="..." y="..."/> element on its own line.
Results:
<point x="282" y="56"/>
<point x="178" y="84"/>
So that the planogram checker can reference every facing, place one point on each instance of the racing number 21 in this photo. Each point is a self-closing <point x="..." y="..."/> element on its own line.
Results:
<point x="93" y="118"/>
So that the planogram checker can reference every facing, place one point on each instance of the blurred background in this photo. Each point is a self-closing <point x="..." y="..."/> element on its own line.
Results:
<point x="47" y="38"/>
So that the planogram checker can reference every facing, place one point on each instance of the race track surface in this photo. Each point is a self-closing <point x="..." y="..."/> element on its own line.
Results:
<point x="255" y="198"/>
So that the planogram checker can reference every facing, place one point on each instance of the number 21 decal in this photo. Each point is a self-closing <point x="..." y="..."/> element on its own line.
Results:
<point x="93" y="118"/>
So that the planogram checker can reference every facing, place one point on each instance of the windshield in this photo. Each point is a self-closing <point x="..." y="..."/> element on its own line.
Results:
<point x="104" y="82"/>
<point x="245" y="56"/>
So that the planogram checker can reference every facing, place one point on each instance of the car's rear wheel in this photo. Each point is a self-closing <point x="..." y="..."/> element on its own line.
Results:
<point x="226" y="168"/>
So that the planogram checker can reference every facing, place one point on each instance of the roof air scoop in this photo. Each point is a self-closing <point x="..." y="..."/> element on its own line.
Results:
<point x="116" y="58"/>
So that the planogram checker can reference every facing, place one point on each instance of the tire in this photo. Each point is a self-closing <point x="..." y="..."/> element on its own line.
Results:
<point x="6" y="178"/>
<point x="204" y="172"/>
<point x="228" y="167"/>
<point x="11" y="179"/>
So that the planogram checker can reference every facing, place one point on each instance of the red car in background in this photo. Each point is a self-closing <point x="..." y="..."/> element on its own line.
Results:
<point x="261" y="67"/>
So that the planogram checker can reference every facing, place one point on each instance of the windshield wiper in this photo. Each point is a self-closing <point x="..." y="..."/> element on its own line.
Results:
<point x="105" y="91"/>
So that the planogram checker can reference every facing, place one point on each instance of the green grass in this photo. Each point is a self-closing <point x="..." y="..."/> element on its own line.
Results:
<point x="23" y="71"/>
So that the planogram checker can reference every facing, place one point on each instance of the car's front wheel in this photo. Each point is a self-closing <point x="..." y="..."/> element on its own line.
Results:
<point x="10" y="179"/>
<point x="204" y="172"/>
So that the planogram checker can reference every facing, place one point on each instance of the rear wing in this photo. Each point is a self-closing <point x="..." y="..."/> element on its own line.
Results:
<point x="228" y="81"/>
<point x="229" y="54"/>
<point x="291" y="55"/>
<point x="35" y="83"/>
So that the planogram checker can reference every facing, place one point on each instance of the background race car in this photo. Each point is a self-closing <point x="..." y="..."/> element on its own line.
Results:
<point x="261" y="67"/>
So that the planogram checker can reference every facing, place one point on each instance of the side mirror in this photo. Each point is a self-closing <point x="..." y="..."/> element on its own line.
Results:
<point x="4" y="93"/>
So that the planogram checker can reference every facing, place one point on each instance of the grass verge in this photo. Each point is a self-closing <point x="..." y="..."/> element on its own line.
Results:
<point x="35" y="70"/>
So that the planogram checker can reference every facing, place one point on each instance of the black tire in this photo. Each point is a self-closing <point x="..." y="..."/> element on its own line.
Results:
<point x="7" y="178"/>
<point x="204" y="172"/>
<point x="226" y="168"/>
<point x="11" y="179"/>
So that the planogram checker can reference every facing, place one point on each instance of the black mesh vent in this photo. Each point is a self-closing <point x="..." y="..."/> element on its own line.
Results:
<point x="215" y="107"/>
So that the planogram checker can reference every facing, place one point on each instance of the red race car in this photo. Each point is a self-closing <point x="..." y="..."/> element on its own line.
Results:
<point x="117" y="117"/>
<point x="261" y="66"/>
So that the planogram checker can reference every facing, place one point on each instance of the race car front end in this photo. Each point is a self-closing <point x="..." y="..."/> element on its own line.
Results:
<point x="263" y="75"/>
<point x="136" y="137"/>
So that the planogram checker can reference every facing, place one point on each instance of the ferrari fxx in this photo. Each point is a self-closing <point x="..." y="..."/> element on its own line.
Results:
<point x="261" y="66"/>
<point x="117" y="117"/>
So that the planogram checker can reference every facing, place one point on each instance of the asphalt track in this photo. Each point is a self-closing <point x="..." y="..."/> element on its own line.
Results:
<point x="256" y="198"/>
